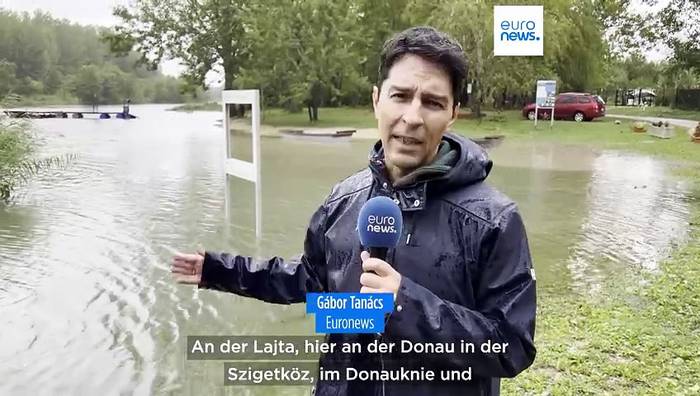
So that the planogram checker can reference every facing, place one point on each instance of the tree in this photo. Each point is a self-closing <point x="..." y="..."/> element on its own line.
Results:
<point x="489" y="75"/>
<point x="380" y="20"/>
<point x="580" y="62"/>
<point x="305" y="54"/>
<point x="203" y="34"/>
<point x="87" y="85"/>
<point x="7" y="77"/>
<point x="678" y="26"/>
<point x="42" y="55"/>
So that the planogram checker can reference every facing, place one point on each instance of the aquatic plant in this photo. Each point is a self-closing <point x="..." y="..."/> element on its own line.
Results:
<point x="18" y="163"/>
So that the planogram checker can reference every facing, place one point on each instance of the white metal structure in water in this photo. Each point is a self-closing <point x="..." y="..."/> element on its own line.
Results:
<point x="243" y="169"/>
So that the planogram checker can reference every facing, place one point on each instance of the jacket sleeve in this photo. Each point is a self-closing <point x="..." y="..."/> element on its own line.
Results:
<point x="273" y="280"/>
<point x="504" y="312"/>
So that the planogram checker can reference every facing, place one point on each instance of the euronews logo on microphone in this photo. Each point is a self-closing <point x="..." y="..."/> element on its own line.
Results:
<point x="382" y="224"/>
<point x="379" y="223"/>
<point x="518" y="30"/>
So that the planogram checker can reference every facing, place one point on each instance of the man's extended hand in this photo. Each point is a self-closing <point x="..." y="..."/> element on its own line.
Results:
<point x="378" y="276"/>
<point x="187" y="268"/>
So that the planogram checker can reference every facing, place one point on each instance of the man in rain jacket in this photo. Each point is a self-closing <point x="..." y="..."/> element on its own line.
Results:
<point x="462" y="270"/>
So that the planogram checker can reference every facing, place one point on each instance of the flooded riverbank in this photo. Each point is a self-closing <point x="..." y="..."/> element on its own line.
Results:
<point x="85" y="287"/>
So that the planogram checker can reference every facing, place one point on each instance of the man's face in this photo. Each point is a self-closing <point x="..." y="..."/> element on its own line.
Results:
<point x="413" y="110"/>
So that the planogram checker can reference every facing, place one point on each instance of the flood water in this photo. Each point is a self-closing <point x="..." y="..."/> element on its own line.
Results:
<point x="87" y="302"/>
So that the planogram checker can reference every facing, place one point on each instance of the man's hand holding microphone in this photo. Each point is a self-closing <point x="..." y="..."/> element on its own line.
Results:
<point x="379" y="224"/>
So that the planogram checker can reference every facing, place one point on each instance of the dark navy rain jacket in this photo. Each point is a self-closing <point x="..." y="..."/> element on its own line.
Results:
<point x="465" y="266"/>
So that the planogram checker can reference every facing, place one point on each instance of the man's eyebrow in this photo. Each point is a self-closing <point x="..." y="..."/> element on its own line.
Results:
<point x="426" y="94"/>
<point x="399" y="88"/>
<point x="443" y="98"/>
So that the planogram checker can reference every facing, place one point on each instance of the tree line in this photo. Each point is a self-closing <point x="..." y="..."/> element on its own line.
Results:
<point x="308" y="53"/>
<point x="44" y="56"/>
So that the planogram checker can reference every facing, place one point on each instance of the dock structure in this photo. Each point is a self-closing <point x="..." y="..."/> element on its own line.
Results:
<point x="103" y="115"/>
<point x="68" y="114"/>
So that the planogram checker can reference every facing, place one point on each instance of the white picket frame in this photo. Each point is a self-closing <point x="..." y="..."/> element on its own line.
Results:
<point x="238" y="168"/>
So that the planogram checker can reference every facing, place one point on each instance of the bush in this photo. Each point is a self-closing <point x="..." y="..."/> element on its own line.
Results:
<point x="17" y="162"/>
<point x="15" y="149"/>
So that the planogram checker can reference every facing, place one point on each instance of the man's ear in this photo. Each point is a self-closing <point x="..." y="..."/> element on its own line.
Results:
<point x="455" y="115"/>
<point x="375" y="100"/>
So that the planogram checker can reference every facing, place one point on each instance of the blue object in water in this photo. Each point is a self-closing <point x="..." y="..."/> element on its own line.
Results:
<point x="104" y="116"/>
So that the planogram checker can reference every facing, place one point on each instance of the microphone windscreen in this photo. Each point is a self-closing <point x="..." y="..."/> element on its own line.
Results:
<point x="380" y="223"/>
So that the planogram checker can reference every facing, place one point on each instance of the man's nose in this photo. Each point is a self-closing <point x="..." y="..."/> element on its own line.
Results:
<point x="412" y="114"/>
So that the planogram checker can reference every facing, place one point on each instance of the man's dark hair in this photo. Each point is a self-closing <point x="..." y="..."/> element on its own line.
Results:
<point x="430" y="44"/>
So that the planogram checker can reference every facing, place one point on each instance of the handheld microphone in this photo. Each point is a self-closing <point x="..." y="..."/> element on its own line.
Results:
<point x="379" y="224"/>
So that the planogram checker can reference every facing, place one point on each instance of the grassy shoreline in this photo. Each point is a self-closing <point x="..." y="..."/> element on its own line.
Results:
<point x="607" y="344"/>
<point x="632" y="338"/>
<point x="204" y="106"/>
<point x="637" y="339"/>
<point x="601" y="133"/>
<point x="655" y="111"/>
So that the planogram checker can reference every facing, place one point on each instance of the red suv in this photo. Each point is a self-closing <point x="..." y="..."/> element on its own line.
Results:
<point x="570" y="106"/>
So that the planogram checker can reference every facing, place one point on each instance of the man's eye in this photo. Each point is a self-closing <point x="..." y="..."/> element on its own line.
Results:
<point x="398" y="96"/>
<point x="433" y="103"/>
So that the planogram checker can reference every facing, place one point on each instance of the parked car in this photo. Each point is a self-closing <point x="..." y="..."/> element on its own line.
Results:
<point x="570" y="106"/>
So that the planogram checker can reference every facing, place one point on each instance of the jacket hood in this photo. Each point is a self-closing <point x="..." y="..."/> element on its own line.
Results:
<point x="472" y="163"/>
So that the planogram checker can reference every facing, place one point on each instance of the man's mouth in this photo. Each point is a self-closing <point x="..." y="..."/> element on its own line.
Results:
<point x="406" y="140"/>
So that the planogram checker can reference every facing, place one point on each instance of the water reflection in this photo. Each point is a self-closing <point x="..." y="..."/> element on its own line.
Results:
<point x="84" y="286"/>
<point x="636" y="214"/>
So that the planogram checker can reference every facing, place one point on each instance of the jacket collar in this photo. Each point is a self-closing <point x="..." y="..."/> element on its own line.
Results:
<point x="471" y="165"/>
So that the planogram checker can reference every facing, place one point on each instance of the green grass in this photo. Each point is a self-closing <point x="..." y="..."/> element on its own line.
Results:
<point x="601" y="133"/>
<point x="18" y="162"/>
<point x="205" y="106"/>
<point x="631" y="340"/>
<point x="628" y="340"/>
<point x="655" y="111"/>
<point x="16" y="148"/>
<point x="327" y="117"/>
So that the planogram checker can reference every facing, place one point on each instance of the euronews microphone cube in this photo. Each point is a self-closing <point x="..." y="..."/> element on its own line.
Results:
<point x="379" y="224"/>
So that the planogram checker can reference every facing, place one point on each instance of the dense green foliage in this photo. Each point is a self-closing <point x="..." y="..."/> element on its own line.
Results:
<point x="319" y="53"/>
<point x="40" y="55"/>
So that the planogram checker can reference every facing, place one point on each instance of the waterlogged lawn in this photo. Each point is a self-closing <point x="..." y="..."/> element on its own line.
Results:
<point x="360" y="117"/>
<point x="655" y="111"/>
<point x="633" y="340"/>
<point x="198" y="106"/>
<point x="601" y="133"/>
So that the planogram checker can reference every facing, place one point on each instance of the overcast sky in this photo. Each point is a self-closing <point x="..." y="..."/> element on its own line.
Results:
<point x="99" y="12"/>
<point x="84" y="12"/>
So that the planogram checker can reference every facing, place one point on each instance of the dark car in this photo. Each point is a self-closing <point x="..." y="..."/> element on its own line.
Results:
<point x="570" y="106"/>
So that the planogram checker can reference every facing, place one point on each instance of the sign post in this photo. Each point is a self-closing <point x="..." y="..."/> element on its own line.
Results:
<point x="545" y="97"/>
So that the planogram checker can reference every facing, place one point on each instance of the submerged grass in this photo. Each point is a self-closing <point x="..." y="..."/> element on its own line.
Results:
<point x="616" y="344"/>
<point x="632" y="338"/>
<point x="197" y="106"/>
